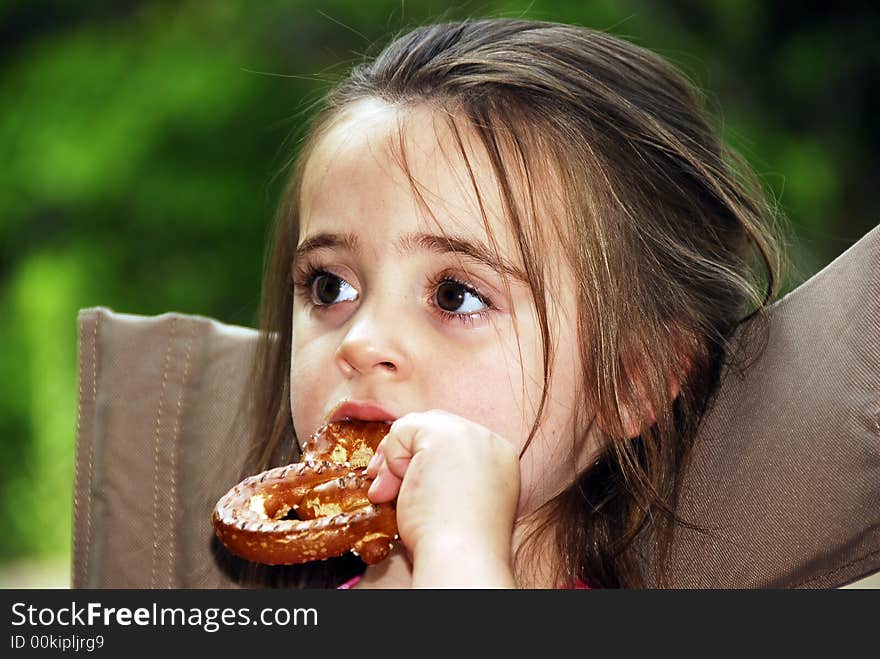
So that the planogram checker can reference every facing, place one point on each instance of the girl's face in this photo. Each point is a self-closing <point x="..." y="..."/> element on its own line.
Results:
<point x="396" y="315"/>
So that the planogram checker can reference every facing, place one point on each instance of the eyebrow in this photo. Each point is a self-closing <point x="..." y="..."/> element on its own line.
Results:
<point x="426" y="242"/>
<point x="347" y="241"/>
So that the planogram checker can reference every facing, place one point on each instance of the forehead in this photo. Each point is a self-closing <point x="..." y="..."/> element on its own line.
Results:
<point x="361" y="168"/>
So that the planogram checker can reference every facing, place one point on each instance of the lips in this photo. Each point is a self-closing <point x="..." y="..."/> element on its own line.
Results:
<point x="362" y="411"/>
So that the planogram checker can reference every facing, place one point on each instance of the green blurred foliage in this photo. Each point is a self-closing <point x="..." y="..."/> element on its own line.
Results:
<point x="143" y="145"/>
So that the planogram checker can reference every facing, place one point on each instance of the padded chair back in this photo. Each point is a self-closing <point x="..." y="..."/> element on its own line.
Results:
<point x="160" y="432"/>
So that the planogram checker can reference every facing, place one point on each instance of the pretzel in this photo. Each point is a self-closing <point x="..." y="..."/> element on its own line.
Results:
<point x="326" y="490"/>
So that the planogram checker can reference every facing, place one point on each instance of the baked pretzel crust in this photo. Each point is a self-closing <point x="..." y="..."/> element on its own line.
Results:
<point x="326" y="491"/>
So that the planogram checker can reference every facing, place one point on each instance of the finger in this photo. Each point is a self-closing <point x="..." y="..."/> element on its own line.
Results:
<point x="375" y="462"/>
<point x="392" y="459"/>
<point x="385" y="487"/>
<point x="399" y="446"/>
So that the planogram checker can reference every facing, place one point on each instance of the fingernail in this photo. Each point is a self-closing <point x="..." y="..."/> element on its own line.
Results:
<point x="373" y="464"/>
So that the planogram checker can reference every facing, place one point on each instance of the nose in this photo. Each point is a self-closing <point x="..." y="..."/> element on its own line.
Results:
<point x="373" y="346"/>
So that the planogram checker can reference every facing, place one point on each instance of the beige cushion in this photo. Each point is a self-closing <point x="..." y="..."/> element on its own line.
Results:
<point x="160" y="437"/>
<point x="786" y="473"/>
<point x="787" y="469"/>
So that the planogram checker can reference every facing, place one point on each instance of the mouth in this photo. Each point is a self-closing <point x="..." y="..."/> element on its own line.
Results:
<point x="360" y="411"/>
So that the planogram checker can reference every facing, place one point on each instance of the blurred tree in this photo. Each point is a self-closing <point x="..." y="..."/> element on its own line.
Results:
<point x="143" y="146"/>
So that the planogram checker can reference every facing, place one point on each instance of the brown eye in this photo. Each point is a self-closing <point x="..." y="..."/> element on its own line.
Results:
<point x="455" y="297"/>
<point x="329" y="289"/>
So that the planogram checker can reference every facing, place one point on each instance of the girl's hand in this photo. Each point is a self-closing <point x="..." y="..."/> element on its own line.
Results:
<point x="457" y="488"/>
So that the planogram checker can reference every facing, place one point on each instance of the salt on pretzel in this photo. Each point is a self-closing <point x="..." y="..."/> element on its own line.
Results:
<point x="327" y="493"/>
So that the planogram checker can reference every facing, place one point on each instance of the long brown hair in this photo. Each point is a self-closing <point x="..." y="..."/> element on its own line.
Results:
<point x="661" y="225"/>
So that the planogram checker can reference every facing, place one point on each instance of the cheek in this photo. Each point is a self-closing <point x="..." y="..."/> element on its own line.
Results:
<point x="498" y="387"/>
<point x="310" y="384"/>
<point x="490" y="401"/>
<point x="567" y="439"/>
<point x="548" y="465"/>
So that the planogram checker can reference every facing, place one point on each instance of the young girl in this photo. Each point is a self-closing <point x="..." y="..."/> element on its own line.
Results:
<point x="523" y="244"/>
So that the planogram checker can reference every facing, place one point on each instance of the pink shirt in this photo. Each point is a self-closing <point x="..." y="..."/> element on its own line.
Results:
<point x="351" y="583"/>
